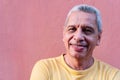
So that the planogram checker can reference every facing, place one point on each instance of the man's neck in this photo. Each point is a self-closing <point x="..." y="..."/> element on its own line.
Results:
<point x="79" y="64"/>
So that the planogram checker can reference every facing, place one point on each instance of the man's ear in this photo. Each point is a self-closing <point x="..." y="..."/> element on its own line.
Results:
<point x="98" y="39"/>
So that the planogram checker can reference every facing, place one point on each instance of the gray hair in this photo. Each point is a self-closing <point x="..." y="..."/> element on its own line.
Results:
<point x="87" y="9"/>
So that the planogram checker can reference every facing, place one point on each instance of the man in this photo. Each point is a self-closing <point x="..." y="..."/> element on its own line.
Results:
<point x="82" y="33"/>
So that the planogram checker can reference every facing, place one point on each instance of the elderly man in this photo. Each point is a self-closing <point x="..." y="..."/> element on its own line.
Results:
<point x="81" y="34"/>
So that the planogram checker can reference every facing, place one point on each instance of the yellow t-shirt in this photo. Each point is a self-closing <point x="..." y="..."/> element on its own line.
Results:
<point x="57" y="69"/>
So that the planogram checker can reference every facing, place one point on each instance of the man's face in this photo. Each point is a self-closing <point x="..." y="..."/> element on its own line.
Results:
<point x="81" y="34"/>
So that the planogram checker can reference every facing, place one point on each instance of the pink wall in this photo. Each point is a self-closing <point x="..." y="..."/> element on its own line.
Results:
<point x="32" y="29"/>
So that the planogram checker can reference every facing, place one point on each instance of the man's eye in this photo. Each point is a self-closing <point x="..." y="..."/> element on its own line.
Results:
<point x="72" y="29"/>
<point x="88" y="31"/>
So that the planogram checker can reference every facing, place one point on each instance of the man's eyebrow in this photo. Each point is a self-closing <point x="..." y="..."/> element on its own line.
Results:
<point x="68" y="26"/>
<point x="71" y="26"/>
<point x="87" y="26"/>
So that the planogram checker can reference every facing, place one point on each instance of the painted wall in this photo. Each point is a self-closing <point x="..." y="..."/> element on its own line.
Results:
<point x="32" y="29"/>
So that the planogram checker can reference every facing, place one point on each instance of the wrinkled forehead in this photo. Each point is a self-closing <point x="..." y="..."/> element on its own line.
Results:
<point x="79" y="17"/>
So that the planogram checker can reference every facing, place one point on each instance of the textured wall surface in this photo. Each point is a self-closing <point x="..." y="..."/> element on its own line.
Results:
<point x="32" y="29"/>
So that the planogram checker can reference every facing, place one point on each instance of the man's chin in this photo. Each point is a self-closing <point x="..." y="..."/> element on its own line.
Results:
<point x="78" y="54"/>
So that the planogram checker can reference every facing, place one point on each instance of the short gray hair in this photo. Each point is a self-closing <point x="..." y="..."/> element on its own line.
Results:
<point x="87" y="9"/>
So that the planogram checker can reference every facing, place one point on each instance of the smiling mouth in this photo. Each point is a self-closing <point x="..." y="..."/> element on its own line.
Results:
<point x="78" y="47"/>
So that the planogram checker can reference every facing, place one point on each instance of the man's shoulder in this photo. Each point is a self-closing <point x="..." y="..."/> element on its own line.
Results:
<point x="49" y="60"/>
<point x="105" y="66"/>
<point x="108" y="70"/>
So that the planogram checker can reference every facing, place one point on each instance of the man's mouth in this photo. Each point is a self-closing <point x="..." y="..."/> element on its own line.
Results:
<point x="79" y="47"/>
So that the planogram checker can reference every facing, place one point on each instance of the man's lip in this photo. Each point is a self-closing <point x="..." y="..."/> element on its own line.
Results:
<point x="78" y="48"/>
<point x="79" y="45"/>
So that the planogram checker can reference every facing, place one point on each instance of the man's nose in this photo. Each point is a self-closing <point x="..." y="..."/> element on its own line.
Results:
<point x="79" y="36"/>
